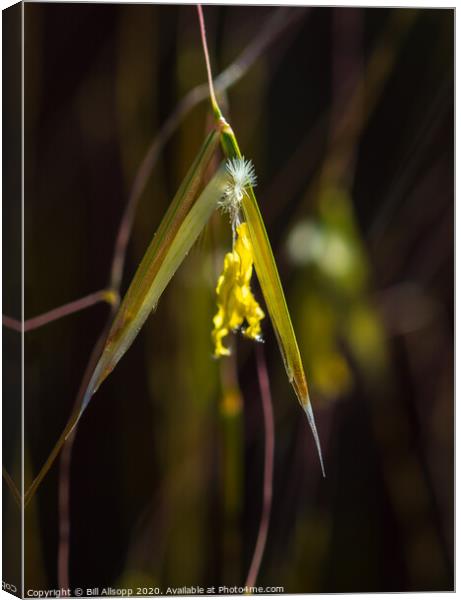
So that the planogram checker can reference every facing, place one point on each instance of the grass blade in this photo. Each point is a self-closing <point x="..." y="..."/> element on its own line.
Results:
<point x="179" y="229"/>
<point x="269" y="279"/>
<point x="151" y="280"/>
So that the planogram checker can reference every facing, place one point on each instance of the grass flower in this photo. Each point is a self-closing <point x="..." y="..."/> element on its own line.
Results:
<point x="235" y="299"/>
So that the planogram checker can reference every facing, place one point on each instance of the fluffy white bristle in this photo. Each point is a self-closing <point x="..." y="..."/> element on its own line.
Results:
<point x="241" y="176"/>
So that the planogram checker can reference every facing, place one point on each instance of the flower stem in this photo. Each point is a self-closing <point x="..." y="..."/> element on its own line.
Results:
<point x="214" y="102"/>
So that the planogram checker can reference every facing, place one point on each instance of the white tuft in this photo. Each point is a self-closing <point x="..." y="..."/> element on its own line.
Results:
<point x="241" y="176"/>
<point x="242" y="173"/>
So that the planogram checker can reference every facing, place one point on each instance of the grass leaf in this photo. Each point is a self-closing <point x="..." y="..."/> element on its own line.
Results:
<point x="179" y="229"/>
<point x="269" y="279"/>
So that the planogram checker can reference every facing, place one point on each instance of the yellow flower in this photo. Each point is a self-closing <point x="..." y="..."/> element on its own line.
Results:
<point x="235" y="299"/>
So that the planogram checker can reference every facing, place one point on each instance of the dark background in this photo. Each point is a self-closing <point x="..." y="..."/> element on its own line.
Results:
<point x="348" y="118"/>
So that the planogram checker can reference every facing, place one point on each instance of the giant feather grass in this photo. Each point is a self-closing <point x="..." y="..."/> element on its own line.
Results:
<point x="185" y="219"/>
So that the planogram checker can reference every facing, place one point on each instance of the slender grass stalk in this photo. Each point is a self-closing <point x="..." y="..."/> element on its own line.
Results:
<point x="11" y="323"/>
<point x="110" y="296"/>
<point x="214" y="102"/>
<point x="66" y="458"/>
<point x="269" y="445"/>
<point x="64" y="513"/>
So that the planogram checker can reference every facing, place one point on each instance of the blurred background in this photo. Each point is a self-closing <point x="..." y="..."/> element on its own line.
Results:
<point x="347" y="114"/>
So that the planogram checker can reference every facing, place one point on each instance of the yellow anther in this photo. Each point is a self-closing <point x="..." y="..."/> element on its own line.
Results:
<point x="235" y="299"/>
